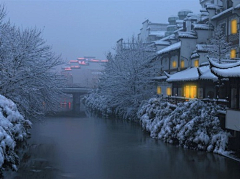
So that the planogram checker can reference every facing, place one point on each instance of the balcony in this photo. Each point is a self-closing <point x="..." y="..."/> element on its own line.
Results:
<point x="233" y="120"/>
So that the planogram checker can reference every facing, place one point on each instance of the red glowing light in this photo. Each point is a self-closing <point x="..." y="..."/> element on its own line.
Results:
<point x="73" y="61"/>
<point x="81" y="58"/>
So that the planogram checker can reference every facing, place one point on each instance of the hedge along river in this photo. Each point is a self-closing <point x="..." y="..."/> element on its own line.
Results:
<point x="95" y="148"/>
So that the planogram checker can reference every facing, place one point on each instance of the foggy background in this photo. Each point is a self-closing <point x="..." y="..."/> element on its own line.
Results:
<point x="77" y="28"/>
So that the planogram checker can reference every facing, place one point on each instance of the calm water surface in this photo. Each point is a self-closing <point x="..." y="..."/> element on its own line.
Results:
<point x="95" y="148"/>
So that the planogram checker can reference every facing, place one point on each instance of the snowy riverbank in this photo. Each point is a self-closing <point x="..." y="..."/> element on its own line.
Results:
<point x="191" y="124"/>
<point x="13" y="129"/>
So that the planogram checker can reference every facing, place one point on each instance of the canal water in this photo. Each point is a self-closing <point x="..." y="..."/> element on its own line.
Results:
<point x="94" y="148"/>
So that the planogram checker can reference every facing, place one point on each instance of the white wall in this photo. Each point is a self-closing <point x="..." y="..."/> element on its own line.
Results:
<point x="203" y="35"/>
<point x="188" y="46"/>
<point x="233" y="120"/>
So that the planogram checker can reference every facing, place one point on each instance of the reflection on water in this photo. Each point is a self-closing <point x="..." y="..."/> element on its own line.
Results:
<point x="93" y="148"/>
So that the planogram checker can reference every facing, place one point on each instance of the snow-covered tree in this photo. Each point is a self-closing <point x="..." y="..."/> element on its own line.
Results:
<point x="127" y="77"/>
<point x="13" y="130"/>
<point x="27" y="74"/>
<point x="219" y="47"/>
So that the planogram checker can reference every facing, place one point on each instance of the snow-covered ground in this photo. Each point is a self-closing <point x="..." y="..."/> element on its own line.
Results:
<point x="13" y="129"/>
<point x="191" y="124"/>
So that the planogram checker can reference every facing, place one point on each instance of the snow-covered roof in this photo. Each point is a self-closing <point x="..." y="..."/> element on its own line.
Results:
<point x="204" y="13"/>
<point x="228" y="72"/>
<point x="172" y="47"/>
<point x="172" y="36"/>
<point x="212" y="6"/>
<point x="179" y="21"/>
<point x="237" y="6"/>
<point x="206" y="74"/>
<point x="192" y="74"/>
<point x="192" y="16"/>
<point x="204" y="63"/>
<point x="225" y="70"/>
<point x="222" y="13"/>
<point x="205" y="18"/>
<point x="187" y="35"/>
<point x="195" y="55"/>
<point x="161" y="42"/>
<point x="157" y="33"/>
<point x="203" y="47"/>
<point x="223" y="65"/>
<point x="202" y="26"/>
<point x="160" y="78"/>
<point x="181" y="28"/>
<point x="171" y="26"/>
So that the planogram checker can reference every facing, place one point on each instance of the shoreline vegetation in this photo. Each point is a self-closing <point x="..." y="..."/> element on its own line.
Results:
<point x="13" y="132"/>
<point x="193" y="124"/>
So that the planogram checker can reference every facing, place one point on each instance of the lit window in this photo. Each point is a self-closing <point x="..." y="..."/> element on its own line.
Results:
<point x="233" y="53"/>
<point x="159" y="90"/>
<point x="234" y="26"/>
<point x="174" y="64"/>
<point x="169" y="91"/>
<point x="190" y="91"/>
<point x="182" y="64"/>
<point x="196" y="63"/>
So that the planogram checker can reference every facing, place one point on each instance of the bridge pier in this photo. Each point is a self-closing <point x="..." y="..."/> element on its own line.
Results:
<point x="76" y="93"/>
<point x="76" y="103"/>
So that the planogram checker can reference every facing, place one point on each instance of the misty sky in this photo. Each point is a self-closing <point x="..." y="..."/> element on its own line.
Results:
<point x="77" y="28"/>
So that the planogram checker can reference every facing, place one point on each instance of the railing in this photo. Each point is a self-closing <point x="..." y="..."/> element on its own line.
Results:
<point x="177" y="99"/>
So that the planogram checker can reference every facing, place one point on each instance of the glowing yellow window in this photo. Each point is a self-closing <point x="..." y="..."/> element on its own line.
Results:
<point x="182" y="64"/>
<point x="190" y="91"/>
<point x="159" y="90"/>
<point x="169" y="91"/>
<point x="233" y="53"/>
<point x="174" y="64"/>
<point x="196" y="63"/>
<point x="234" y="26"/>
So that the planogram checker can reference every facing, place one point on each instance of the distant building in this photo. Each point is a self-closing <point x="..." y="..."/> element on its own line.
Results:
<point x="84" y="72"/>
<point x="152" y="31"/>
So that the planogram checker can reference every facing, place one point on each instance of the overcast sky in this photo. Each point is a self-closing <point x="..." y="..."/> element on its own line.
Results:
<point x="77" y="28"/>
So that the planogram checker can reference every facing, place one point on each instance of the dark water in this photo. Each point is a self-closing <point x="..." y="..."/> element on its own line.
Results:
<point x="94" y="148"/>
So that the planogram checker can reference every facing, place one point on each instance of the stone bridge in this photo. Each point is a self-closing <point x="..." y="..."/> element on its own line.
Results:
<point x="76" y="93"/>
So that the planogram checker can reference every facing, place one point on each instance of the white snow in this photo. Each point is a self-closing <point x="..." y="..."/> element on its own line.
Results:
<point x="189" y="74"/>
<point x="13" y="128"/>
<point x="160" y="78"/>
<point x="202" y="26"/>
<point x="187" y="35"/>
<point x="195" y="55"/>
<point x="224" y="65"/>
<point x="203" y="47"/>
<point x="162" y="42"/>
<point x="206" y="73"/>
<point x="191" y="124"/>
<point x="226" y="69"/>
<point x="237" y="6"/>
<point x="192" y="74"/>
<point x="172" y="47"/>
<point x="157" y="33"/>
<point x="222" y="13"/>
<point x="229" y="72"/>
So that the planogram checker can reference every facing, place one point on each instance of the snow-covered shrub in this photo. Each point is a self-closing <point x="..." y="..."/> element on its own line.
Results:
<point x="98" y="103"/>
<point x="191" y="124"/>
<point x="13" y="129"/>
